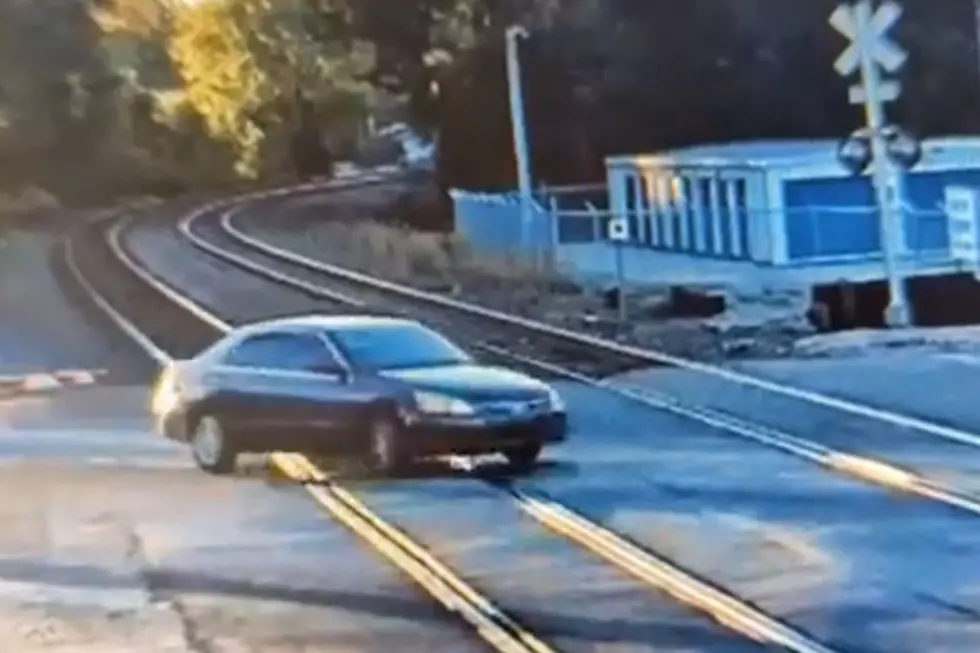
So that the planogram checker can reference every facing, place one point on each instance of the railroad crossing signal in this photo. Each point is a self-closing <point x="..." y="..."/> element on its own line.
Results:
<point x="870" y="47"/>
<point x="871" y="52"/>
<point x="903" y="149"/>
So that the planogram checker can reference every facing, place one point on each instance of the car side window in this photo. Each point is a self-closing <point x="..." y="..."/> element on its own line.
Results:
<point x="290" y="352"/>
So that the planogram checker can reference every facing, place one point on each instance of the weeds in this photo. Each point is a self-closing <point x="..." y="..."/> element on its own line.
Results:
<point x="433" y="260"/>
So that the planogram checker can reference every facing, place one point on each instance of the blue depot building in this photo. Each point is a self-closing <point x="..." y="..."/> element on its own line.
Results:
<point x="763" y="213"/>
<point x="786" y="206"/>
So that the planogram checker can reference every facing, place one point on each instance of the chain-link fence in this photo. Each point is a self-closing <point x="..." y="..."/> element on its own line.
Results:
<point x="811" y="235"/>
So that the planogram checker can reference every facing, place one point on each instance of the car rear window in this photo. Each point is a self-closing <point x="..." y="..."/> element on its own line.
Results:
<point x="298" y="352"/>
<point x="386" y="347"/>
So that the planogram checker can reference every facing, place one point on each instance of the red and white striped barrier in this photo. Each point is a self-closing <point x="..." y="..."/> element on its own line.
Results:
<point x="48" y="381"/>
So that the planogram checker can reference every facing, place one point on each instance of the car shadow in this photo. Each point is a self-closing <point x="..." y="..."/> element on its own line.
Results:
<point x="169" y="582"/>
<point x="489" y="469"/>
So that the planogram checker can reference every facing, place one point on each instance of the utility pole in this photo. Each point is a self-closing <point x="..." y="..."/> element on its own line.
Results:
<point x="516" y="92"/>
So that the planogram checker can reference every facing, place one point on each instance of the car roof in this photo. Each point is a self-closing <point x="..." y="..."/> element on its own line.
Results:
<point x="324" y="322"/>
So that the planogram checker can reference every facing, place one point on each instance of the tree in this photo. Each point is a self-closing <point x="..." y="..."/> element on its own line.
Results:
<point x="136" y="33"/>
<point x="58" y="92"/>
<point x="416" y="42"/>
<point x="258" y="77"/>
<point x="619" y="76"/>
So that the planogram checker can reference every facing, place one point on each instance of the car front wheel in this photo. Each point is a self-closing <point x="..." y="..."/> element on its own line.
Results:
<point x="212" y="450"/>
<point x="524" y="456"/>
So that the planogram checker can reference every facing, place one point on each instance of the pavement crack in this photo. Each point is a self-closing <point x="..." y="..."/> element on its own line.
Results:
<point x="193" y="640"/>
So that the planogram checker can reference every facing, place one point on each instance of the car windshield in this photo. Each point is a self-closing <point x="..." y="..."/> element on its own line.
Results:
<point x="397" y="346"/>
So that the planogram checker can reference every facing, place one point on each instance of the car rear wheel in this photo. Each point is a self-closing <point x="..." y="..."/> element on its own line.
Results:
<point x="212" y="450"/>
<point x="524" y="456"/>
<point x="385" y="450"/>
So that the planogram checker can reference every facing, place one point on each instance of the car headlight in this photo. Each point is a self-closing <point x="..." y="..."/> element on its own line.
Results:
<point x="556" y="402"/>
<point x="436" y="404"/>
<point x="166" y="396"/>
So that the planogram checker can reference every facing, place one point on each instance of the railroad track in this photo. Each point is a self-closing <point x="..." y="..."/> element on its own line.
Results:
<point x="222" y="239"/>
<point x="572" y="348"/>
<point x="167" y="324"/>
<point x="577" y="357"/>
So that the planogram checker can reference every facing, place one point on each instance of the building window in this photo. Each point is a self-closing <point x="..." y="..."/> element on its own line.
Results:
<point x="687" y="214"/>
<point x="724" y="218"/>
<point x="636" y="207"/>
<point x="665" y="214"/>
<point x="742" y="217"/>
<point x="705" y="216"/>
<point x="678" y="218"/>
<point x="652" y="218"/>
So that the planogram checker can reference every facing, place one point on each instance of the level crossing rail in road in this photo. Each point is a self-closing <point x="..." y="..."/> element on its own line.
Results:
<point x="727" y="609"/>
<point x="874" y="471"/>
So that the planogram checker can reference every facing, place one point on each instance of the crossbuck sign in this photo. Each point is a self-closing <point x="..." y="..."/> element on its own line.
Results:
<point x="871" y="53"/>
<point x="870" y="48"/>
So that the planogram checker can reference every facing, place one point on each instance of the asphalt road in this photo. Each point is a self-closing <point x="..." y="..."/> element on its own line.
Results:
<point x="852" y="564"/>
<point x="920" y="385"/>
<point x="112" y="541"/>
<point x="937" y="386"/>
<point x="562" y="593"/>
<point x="40" y="330"/>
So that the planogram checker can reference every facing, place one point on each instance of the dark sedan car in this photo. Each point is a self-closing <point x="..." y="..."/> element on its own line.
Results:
<point x="383" y="389"/>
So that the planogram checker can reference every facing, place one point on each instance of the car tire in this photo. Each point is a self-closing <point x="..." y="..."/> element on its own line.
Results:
<point x="211" y="447"/>
<point x="386" y="452"/>
<point x="523" y="457"/>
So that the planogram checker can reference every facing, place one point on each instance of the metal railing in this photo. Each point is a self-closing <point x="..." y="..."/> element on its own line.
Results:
<point x="810" y="235"/>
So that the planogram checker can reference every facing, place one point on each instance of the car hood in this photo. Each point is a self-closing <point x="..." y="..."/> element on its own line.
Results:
<point x="471" y="381"/>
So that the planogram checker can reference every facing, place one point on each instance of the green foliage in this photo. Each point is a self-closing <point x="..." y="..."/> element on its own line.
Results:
<point x="417" y="42"/>
<point x="108" y="94"/>
<point x="135" y="36"/>
<point x="57" y="96"/>
<point x="258" y="77"/>
<point x="222" y="81"/>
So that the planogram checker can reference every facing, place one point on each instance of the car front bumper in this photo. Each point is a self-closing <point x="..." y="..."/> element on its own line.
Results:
<point x="464" y="436"/>
<point x="172" y="424"/>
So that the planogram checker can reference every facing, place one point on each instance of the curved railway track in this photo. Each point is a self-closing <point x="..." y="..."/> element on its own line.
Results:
<point x="564" y="357"/>
<point x="118" y="284"/>
<point x="168" y="325"/>
<point x="560" y="345"/>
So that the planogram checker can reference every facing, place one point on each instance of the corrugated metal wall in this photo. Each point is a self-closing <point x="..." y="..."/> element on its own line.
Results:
<point x="832" y="218"/>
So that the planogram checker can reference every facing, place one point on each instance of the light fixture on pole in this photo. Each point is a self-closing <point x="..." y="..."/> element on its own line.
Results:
<point x="904" y="150"/>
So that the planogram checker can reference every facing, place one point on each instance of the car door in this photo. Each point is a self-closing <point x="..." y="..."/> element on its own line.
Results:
<point x="243" y="394"/>
<point x="286" y="385"/>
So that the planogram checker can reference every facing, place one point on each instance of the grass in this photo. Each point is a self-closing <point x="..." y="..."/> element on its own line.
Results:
<point x="434" y="260"/>
<point x="446" y="264"/>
